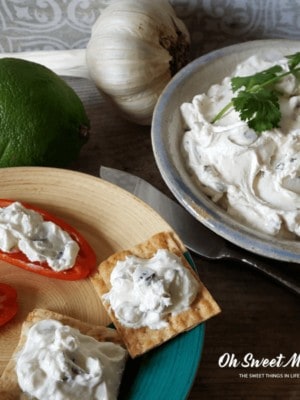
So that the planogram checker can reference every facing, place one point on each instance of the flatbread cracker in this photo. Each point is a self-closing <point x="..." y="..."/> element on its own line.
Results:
<point x="141" y="340"/>
<point x="9" y="388"/>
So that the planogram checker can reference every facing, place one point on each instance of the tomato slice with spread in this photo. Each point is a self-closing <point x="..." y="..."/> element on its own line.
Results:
<point x="86" y="258"/>
<point x="8" y="303"/>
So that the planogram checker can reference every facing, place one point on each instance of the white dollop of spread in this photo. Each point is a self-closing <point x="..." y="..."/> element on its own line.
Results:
<point x="256" y="178"/>
<point x="145" y="292"/>
<point x="43" y="241"/>
<point x="57" y="362"/>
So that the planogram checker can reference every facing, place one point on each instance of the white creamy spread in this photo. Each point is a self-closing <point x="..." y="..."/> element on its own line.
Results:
<point x="43" y="241"/>
<point x="256" y="178"/>
<point x="57" y="362"/>
<point x="145" y="292"/>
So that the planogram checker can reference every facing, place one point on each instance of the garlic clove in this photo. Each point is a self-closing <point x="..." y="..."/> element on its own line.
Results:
<point x="134" y="50"/>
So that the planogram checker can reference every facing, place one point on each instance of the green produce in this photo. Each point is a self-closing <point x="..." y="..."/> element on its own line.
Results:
<point x="257" y="99"/>
<point x="42" y="119"/>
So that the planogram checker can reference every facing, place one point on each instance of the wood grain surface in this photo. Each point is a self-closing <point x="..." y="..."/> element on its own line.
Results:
<point x="112" y="223"/>
<point x="258" y="316"/>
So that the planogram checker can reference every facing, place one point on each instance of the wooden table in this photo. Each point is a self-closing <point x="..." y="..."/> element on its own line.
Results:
<point x="258" y="316"/>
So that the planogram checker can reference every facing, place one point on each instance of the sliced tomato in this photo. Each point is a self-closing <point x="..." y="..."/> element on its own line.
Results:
<point x="8" y="303"/>
<point x="85" y="261"/>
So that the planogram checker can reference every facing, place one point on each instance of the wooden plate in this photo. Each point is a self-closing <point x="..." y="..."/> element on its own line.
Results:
<point x="110" y="218"/>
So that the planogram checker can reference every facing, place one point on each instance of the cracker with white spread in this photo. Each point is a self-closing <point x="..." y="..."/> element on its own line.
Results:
<point x="9" y="386"/>
<point x="146" y="331"/>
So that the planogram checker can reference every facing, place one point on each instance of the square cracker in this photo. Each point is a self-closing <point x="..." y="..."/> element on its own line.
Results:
<point x="9" y="388"/>
<point x="140" y="340"/>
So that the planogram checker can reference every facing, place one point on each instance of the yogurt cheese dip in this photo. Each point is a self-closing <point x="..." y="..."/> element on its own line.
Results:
<point x="145" y="291"/>
<point x="57" y="362"/>
<point x="255" y="178"/>
<point x="43" y="241"/>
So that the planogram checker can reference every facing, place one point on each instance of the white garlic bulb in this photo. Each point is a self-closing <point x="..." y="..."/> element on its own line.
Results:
<point x="136" y="46"/>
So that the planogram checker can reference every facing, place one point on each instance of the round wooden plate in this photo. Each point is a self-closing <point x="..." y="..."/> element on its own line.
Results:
<point x="110" y="218"/>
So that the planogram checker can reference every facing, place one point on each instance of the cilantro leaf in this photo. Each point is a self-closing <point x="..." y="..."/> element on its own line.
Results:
<point x="293" y="61"/>
<point x="253" y="81"/>
<point x="259" y="109"/>
<point x="257" y="100"/>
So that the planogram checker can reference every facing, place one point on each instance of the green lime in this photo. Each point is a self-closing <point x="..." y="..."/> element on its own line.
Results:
<point x="42" y="119"/>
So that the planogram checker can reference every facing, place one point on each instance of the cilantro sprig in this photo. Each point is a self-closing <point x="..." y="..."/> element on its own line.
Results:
<point x="257" y="99"/>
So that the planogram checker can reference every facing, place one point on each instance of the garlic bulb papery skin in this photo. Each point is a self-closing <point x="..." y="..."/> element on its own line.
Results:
<point x="136" y="46"/>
